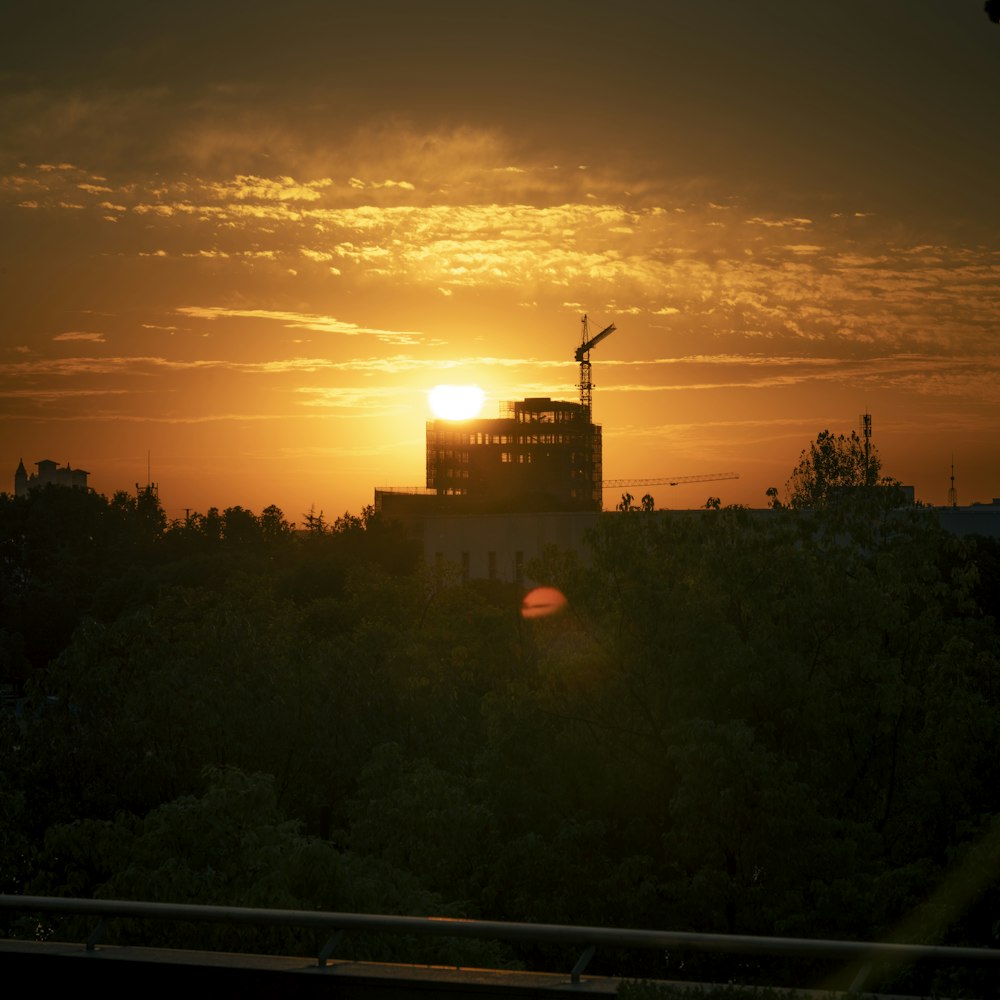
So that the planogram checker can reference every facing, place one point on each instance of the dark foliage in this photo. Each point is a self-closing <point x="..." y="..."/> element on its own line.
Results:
<point x="780" y="724"/>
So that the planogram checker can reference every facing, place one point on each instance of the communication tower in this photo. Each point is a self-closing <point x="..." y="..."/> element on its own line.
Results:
<point x="865" y="421"/>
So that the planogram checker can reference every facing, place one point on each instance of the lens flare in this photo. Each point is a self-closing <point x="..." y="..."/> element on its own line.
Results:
<point x="542" y="602"/>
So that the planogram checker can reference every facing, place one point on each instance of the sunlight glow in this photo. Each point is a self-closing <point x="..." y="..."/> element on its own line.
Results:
<point x="455" y="402"/>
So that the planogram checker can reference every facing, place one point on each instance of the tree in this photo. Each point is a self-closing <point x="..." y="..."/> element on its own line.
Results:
<point x="315" y="524"/>
<point x="273" y="525"/>
<point x="626" y="503"/>
<point x="240" y="526"/>
<point x="831" y="464"/>
<point x="647" y="503"/>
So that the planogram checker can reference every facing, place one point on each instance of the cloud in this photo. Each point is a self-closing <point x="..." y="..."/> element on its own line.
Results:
<point x="479" y="220"/>
<point x="246" y="187"/>
<point x="302" y="321"/>
<point x="356" y="401"/>
<point x="360" y="185"/>
<point x="97" y="338"/>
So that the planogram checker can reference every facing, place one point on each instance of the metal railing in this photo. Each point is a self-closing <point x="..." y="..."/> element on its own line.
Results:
<point x="589" y="939"/>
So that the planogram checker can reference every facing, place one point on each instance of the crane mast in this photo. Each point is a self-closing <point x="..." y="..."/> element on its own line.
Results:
<point x="583" y="357"/>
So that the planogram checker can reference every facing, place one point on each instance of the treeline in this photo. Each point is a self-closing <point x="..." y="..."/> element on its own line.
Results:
<point x="781" y="725"/>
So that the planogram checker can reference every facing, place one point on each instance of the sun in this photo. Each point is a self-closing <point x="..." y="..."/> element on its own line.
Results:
<point x="455" y="402"/>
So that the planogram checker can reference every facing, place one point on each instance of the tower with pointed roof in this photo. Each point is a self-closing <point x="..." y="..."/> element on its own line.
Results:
<point x="20" y="480"/>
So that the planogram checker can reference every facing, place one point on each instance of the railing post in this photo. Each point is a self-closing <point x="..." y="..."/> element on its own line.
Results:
<point x="329" y="947"/>
<point x="96" y="934"/>
<point x="581" y="963"/>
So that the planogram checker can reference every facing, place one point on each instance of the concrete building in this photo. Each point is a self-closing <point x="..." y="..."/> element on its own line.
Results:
<point x="976" y="519"/>
<point x="501" y="546"/>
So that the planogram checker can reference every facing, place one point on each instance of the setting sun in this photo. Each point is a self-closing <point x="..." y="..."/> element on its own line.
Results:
<point x="455" y="402"/>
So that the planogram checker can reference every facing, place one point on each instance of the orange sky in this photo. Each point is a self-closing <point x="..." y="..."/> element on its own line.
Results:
<point x="247" y="243"/>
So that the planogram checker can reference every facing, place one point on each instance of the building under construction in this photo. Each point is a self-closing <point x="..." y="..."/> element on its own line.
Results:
<point x="538" y="455"/>
<point x="539" y="451"/>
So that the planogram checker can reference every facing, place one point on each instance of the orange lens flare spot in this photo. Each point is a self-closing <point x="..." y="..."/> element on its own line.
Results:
<point x="543" y="601"/>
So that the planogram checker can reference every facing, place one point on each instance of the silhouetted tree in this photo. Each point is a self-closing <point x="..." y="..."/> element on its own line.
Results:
<point x="273" y="525"/>
<point x="240" y="526"/>
<point x="315" y="524"/>
<point x="626" y="504"/>
<point x="832" y="463"/>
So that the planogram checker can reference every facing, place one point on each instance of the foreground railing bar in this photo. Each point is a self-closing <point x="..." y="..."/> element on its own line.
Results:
<point x="508" y="931"/>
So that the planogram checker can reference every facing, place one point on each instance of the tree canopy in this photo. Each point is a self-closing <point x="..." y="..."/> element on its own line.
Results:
<point x="781" y="724"/>
<point x="831" y="465"/>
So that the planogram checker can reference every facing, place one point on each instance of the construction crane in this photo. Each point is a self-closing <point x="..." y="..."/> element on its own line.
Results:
<point x="614" y="484"/>
<point x="583" y="357"/>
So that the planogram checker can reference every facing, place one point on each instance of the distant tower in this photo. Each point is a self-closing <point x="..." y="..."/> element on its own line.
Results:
<point x="952" y="492"/>
<point x="865" y="421"/>
<point x="151" y="490"/>
<point x="20" y="480"/>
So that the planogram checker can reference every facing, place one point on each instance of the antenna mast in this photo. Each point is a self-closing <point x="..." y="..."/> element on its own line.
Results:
<point x="952" y="492"/>
<point x="866" y="436"/>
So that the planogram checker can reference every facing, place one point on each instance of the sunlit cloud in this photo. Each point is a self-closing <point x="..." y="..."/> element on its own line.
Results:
<point x="49" y="395"/>
<point x="356" y="401"/>
<point x="97" y="338"/>
<point x="734" y="284"/>
<point x="245" y="188"/>
<point x="302" y="321"/>
<point x="360" y="185"/>
<point x="779" y="223"/>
